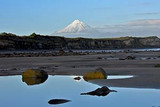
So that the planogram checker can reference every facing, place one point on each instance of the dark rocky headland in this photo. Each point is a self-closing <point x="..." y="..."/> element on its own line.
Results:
<point x="34" y="41"/>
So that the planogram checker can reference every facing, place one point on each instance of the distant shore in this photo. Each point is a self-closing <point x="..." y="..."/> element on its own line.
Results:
<point x="49" y="53"/>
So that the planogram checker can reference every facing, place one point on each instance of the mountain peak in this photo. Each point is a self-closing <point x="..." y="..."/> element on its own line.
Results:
<point x="76" y="21"/>
<point x="76" y="28"/>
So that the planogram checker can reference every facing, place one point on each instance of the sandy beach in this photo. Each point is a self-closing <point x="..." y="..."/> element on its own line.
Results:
<point x="78" y="65"/>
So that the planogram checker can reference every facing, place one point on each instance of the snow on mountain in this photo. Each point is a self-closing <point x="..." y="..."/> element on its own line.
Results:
<point x="76" y="29"/>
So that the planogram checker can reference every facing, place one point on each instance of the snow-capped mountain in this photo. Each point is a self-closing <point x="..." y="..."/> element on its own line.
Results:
<point x="76" y="29"/>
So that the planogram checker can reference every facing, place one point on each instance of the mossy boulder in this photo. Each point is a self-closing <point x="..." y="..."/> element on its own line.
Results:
<point x="34" y="73"/>
<point x="99" y="73"/>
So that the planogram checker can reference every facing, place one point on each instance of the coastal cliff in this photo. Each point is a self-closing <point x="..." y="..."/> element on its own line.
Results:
<point x="34" y="41"/>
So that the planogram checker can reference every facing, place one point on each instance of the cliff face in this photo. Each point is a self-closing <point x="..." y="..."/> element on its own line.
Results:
<point x="34" y="41"/>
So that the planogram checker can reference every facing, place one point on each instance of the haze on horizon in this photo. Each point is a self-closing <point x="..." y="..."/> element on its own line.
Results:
<point x="111" y="17"/>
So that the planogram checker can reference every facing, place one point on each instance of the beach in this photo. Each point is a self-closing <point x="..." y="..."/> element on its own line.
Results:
<point x="114" y="63"/>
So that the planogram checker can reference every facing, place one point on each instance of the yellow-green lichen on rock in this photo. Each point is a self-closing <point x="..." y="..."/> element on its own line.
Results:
<point x="34" y="73"/>
<point x="34" y="76"/>
<point x="99" y="73"/>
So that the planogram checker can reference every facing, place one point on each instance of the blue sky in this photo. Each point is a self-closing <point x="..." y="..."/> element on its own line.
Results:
<point x="23" y="17"/>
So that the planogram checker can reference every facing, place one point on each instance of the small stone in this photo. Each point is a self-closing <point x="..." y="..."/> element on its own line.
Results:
<point x="77" y="78"/>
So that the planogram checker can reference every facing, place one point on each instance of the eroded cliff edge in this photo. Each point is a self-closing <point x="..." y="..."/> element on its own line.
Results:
<point x="10" y="41"/>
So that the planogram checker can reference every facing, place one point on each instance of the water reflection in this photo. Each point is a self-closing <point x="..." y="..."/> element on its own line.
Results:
<point x="34" y="76"/>
<point x="66" y="87"/>
<point x="137" y="81"/>
<point x="99" y="92"/>
<point x="34" y="81"/>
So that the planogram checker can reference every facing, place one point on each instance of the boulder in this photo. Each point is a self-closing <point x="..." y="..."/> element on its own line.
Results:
<point x="99" y="73"/>
<point x="34" y="73"/>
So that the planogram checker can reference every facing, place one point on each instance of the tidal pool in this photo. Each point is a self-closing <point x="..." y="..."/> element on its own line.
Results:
<point x="16" y="93"/>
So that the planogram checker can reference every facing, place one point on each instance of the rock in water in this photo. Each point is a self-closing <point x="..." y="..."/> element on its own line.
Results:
<point x="34" y="76"/>
<point x="99" y="73"/>
<point x="99" y="92"/>
<point x="58" y="101"/>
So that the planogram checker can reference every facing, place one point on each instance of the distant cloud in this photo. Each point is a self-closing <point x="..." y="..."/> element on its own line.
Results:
<point x="149" y="13"/>
<point x="146" y="4"/>
<point x="150" y="27"/>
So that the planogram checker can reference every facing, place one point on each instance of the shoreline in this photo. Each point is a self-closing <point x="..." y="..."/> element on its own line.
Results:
<point x="50" y="53"/>
<point x="143" y="64"/>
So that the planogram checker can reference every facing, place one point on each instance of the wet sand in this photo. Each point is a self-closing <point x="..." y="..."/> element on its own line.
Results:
<point x="78" y="65"/>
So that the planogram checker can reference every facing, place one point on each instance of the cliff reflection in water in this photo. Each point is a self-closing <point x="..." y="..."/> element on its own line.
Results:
<point x="34" y="76"/>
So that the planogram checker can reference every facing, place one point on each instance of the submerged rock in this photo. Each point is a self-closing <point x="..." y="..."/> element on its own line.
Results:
<point x="99" y="92"/>
<point x="58" y="101"/>
<point x="34" y="76"/>
<point x="99" y="73"/>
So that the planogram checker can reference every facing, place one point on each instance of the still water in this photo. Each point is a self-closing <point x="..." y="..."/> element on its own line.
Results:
<point x="16" y="93"/>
